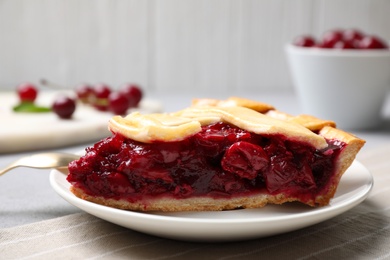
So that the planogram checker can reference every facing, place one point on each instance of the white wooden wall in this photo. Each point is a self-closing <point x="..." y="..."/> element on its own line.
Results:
<point x="168" y="45"/>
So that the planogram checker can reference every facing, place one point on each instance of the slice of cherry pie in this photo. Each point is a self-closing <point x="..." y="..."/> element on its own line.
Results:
<point x="214" y="155"/>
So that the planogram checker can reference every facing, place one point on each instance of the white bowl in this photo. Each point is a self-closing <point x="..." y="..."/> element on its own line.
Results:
<point x="346" y="86"/>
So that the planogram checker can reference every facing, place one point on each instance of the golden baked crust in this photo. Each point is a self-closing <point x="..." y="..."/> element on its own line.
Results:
<point x="250" y="115"/>
<point x="310" y="122"/>
<point x="189" y="204"/>
<point x="346" y="157"/>
<point x="234" y="101"/>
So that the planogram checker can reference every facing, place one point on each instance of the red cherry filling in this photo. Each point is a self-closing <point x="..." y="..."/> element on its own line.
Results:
<point x="220" y="161"/>
<point x="244" y="159"/>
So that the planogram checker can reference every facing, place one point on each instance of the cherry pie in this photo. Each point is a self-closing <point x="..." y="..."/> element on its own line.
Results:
<point x="214" y="155"/>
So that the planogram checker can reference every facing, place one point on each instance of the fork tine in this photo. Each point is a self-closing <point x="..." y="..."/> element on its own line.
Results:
<point x="43" y="161"/>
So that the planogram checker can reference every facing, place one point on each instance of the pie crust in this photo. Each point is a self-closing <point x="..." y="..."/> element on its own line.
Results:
<point x="252" y="116"/>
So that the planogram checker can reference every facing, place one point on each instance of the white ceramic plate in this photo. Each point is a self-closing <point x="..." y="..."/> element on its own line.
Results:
<point x="229" y="225"/>
<point x="32" y="131"/>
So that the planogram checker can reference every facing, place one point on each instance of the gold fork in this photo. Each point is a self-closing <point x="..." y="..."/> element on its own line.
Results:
<point x="58" y="161"/>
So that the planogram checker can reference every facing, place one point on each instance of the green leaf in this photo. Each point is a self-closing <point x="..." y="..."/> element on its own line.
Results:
<point x="27" y="107"/>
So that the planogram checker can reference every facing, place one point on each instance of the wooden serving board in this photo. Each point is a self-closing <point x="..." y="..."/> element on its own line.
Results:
<point x="21" y="132"/>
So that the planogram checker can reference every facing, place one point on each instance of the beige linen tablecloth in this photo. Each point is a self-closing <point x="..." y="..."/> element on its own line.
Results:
<point x="361" y="233"/>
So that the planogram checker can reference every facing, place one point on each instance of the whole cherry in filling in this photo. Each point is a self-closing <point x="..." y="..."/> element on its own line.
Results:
<point x="219" y="161"/>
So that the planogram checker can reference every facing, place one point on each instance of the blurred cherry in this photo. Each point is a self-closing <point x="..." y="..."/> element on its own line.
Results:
<point x="27" y="92"/>
<point x="133" y="92"/>
<point x="101" y="92"/>
<point x="372" y="42"/>
<point x="84" y="92"/>
<point x="118" y="103"/>
<point x="330" y="38"/>
<point x="304" y="41"/>
<point x="64" y="107"/>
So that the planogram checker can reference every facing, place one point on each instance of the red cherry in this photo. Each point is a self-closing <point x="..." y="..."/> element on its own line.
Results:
<point x="372" y="42"/>
<point x="101" y="92"/>
<point x="343" y="45"/>
<point x="118" y="103"/>
<point x="27" y="92"/>
<point x="133" y="92"/>
<point x="352" y="35"/>
<point x="330" y="38"/>
<point x="64" y="107"/>
<point x="84" y="92"/>
<point x="305" y="41"/>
